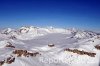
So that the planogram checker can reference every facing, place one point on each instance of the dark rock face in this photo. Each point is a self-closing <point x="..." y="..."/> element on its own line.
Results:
<point x="25" y="53"/>
<point x="8" y="60"/>
<point x="97" y="47"/>
<point x="51" y="45"/>
<point x="10" y="45"/>
<point x="80" y="52"/>
<point x="2" y="62"/>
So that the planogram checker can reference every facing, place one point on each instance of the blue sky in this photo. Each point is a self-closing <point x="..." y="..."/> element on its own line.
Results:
<point x="57" y="13"/>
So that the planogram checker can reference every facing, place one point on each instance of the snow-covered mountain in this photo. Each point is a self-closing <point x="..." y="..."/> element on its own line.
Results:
<point x="35" y="46"/>
<point x="84" y="34"/>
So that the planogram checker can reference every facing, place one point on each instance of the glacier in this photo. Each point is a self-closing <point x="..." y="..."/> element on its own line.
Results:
<point x="36" y="46"/>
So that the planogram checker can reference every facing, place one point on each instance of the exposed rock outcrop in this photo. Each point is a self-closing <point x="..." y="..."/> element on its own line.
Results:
<point x="25" y="53"/>
<point x="80" y="52"/>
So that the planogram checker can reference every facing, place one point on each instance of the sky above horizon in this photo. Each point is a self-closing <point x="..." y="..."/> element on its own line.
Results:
<point x="56" y="13"/>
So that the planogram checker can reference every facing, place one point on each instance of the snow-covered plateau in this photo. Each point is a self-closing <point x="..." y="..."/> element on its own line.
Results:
<point x="35" y="46"/>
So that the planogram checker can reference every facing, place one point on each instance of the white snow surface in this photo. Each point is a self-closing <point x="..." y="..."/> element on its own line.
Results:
<point x="38" y="39"/>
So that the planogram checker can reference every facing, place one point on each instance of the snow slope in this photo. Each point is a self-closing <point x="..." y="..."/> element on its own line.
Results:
<point x="34" y="46"/>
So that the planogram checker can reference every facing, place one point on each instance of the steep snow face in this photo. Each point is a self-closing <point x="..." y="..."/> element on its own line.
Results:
<point x="34" y="46"/>
<point x="84" y="34"/>
<point x="7" y="31"/>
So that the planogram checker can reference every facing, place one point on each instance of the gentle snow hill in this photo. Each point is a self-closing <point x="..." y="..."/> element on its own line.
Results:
<point x="35" y="46"/>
